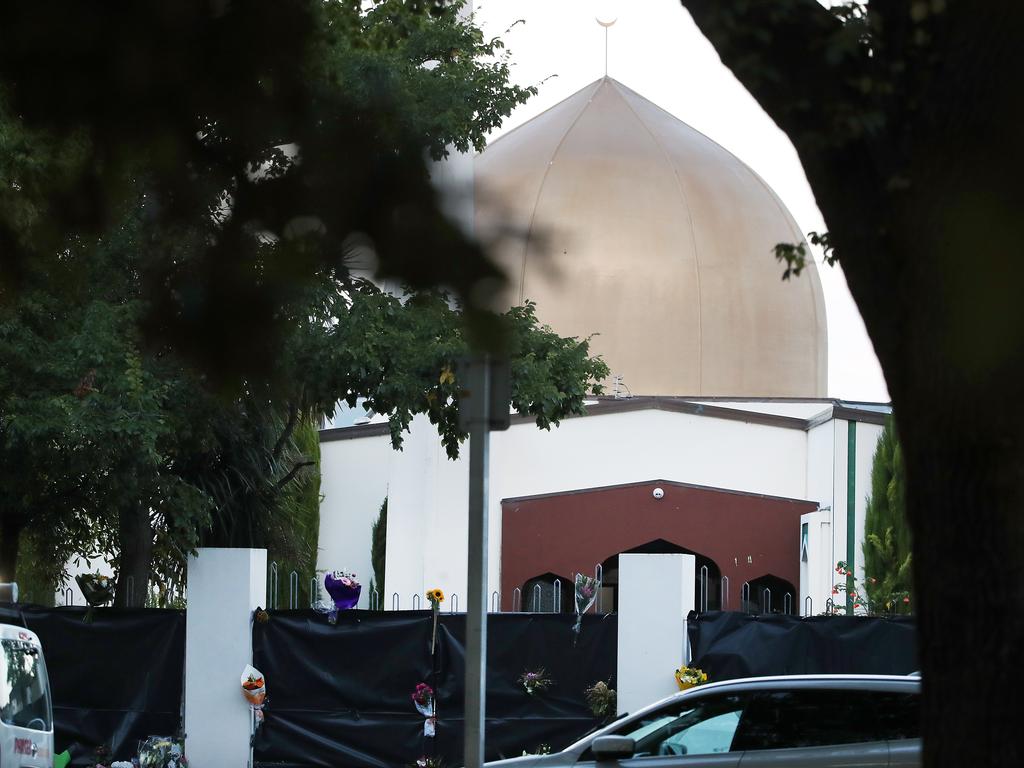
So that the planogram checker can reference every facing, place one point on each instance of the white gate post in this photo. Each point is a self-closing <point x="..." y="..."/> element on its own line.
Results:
<point x="224" y="586"/>
<point x="655" y="594"/>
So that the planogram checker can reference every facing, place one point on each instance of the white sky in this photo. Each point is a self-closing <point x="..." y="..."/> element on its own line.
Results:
<point x="655" y="49"/>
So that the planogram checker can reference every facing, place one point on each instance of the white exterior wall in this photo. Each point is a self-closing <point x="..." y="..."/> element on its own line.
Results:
<point x="354" y="477"/>
<point x="427" y="508"/>
<point x="427" y="531"/>
<point x="428" y="493"/>
<point x="798" y="409"/>
<point x="821" y="463"/>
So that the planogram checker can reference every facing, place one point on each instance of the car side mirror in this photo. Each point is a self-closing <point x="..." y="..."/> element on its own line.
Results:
<point x="613" y="747"/>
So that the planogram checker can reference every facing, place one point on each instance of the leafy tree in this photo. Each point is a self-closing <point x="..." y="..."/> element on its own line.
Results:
<point x="161" y="462"/>
<point x="300" y="507"/>
<point x="905" y="116"/>
<point x="448" y="86"/>
<point x="308" y="139"/>
<point x="333" y="111"/>
<point x="397" y="356"/>
<point x="887" y="550"/>
<point x="95" y="425"/>
<point x="237" y="264"/>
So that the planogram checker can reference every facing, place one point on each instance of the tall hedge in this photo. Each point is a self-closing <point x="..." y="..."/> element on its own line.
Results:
<point x="887" y="545"/>
<point x="378" y="550"/>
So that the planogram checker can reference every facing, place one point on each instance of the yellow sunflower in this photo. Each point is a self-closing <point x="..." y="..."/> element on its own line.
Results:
<point x="435" y="595"/>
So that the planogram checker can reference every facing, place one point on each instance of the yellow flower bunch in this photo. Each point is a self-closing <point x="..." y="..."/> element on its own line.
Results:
<point x="435" y="595"/>
<point x="688" y="677"/>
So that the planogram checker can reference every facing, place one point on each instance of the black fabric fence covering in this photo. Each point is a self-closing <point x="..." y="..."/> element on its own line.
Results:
<point x="341" y="695"/>
<point x="115" y="679"/>
<point x="729" y="645"/>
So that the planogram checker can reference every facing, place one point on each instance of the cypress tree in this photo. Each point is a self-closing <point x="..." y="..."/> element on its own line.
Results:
<point x="887" y="545"/>
<point x="378" y="550"/>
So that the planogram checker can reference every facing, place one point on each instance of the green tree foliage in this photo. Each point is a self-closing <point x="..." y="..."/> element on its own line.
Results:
<point x="313" y="135"/>
<point x="38" y="580"/>
<point x="887" y="550"/>
<point x="446" y="84"/>
<point x="397" y="356"/>
<point x="300" y="508"/>
<point x="169" y="220"/>
<point x="96" y="424"/>
<point x="379" y="551"/>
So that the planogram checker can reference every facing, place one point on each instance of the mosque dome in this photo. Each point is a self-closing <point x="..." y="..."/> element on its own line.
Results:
<point x="638" y="228"/>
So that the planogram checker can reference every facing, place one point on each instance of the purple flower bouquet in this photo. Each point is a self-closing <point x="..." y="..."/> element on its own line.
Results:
<point x="343" y="589"/>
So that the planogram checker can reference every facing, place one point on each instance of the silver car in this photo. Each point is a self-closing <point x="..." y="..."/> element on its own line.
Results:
<point x="824" y="721"/>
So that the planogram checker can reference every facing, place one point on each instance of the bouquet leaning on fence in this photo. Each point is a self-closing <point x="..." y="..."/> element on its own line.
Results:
<point x="97" y="589"/>
<point x="344" y="591"/>
<point x="586" y="589"/>
<point x="535" y="681"/>
<point x="254" y="689"/>
<point x="601" y="698"/>
<point x="162" y="752"/>
<point x="423" y="700"/>
<point x="688" y="677"/>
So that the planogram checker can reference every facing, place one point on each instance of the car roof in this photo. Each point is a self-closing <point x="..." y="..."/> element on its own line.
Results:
<point x="862" y="682"/>
<point x="866" y="682"/>
<point x="14" y="632"/>
<point x="798" y="678"/>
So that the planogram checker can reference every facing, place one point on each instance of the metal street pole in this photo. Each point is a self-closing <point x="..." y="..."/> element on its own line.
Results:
<point x="476" y="609"/>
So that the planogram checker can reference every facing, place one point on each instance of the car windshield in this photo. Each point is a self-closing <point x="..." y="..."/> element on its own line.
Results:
<point x="701" y="727"/>
<point x="24" y="692"/>
<point x="648" y="727"/>
<point x="596" y="728"/>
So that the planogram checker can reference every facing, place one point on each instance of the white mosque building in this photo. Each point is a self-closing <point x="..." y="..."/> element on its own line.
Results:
<point x="718" y="439"/>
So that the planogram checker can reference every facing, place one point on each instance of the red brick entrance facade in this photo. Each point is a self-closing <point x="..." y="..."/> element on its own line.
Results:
<point x="747" y="535"/>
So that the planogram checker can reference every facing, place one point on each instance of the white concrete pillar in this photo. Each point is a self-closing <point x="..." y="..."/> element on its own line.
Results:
<point x="817" y="562"/>
<point x="655" y="594"/>
<point x="224" y="586"/>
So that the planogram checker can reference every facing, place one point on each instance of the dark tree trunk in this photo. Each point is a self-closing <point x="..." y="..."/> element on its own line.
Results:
<point x="915" y="159"/>
<point x="965" y="494"/>
<point x="135" y="534"/>
<point x="11" y="527"/>
<point x="950" y="336"/>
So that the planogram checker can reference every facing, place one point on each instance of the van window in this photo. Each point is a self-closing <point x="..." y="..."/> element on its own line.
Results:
<point x="24" y="693"/>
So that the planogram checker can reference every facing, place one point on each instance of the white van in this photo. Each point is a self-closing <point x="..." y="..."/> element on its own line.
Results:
<point x="26" y="715"/>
